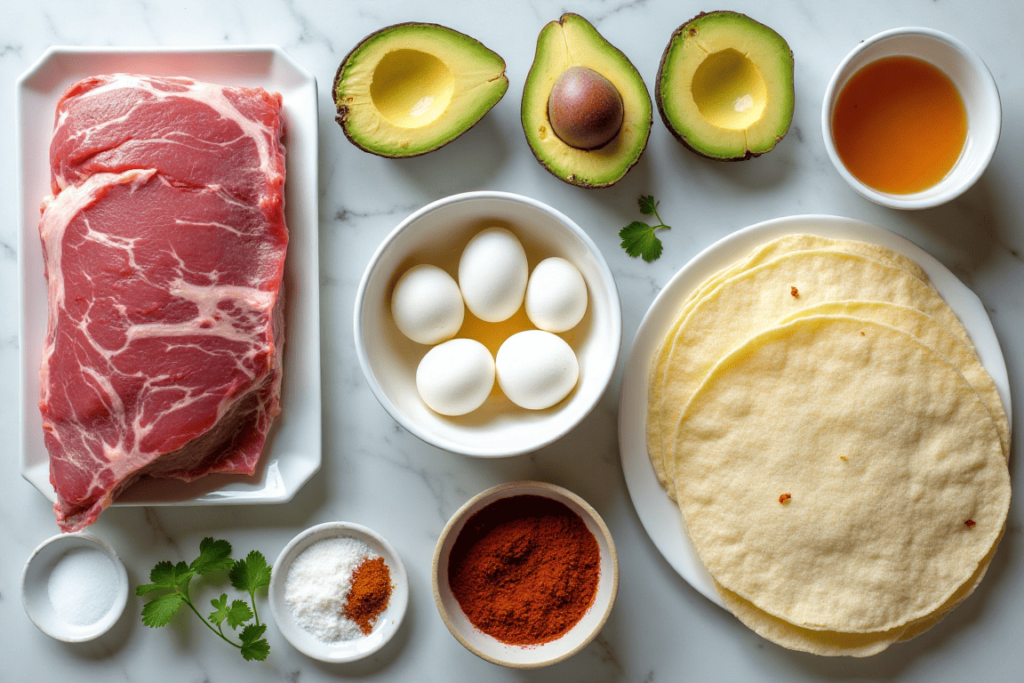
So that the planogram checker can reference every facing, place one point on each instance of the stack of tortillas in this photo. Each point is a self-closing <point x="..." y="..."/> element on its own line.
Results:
<point x="837" y="449"/>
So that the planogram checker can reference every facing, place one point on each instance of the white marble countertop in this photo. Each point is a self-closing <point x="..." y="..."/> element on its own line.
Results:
<point x="374" y="473"/>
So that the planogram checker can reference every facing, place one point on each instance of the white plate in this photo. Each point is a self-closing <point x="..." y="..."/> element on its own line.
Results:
<point x="657" y="512"/>
<point x="387" y="623"/>
<point x="292" y="454"/>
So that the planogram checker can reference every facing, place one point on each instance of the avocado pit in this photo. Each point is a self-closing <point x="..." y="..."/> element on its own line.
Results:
<point x="585" y="109"/>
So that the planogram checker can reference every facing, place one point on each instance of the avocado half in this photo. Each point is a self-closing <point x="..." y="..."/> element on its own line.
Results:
<point x="573" y="41"/>
<point x="725" y="86"/>
<point x="411" y="88"/>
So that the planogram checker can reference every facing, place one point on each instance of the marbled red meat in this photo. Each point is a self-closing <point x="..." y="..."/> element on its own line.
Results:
<point x="164" y="248"/>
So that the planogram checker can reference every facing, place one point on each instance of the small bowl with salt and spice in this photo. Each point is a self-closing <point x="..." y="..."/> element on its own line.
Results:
<point x="525" y="574"/>
<point x="339" y="592"/>
<point x="911" y="118"/>
<point x="74" y="587"/>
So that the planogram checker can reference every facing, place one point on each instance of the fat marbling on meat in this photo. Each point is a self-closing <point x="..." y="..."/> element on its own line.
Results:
<point x="164" y="246"/>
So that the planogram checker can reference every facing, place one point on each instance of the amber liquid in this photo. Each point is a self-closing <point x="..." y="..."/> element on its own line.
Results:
<point x="899" y="125"/>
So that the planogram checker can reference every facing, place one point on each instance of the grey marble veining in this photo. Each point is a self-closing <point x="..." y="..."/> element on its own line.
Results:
<point x="376" y="474"/>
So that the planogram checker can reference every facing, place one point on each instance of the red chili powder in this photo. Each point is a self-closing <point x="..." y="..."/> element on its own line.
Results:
<point x="524" y="569"/>
<point x="370" y="593"/>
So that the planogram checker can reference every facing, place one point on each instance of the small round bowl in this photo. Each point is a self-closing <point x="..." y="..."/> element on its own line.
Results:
<point x="387" y="623"/>
<point x="35" y="588"/>
<point x="528" y="656"/>
<point x="437" y="234"/>
<point x="972" y="79"/>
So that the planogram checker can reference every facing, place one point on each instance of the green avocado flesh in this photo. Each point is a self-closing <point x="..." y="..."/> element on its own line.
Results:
<point x="411" y="88"/>
<point x="573" y="42"/>
<point x="725" y="86"/>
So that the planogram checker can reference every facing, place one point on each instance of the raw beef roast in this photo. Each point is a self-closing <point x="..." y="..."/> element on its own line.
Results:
<point x="164" y="248"/>
<point x="195" y="134"/>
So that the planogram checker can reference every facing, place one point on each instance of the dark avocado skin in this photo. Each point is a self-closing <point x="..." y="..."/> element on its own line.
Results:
<point x="572" y="179"/>
<point x="661" y="110"/>
<point x="342" y="109"/>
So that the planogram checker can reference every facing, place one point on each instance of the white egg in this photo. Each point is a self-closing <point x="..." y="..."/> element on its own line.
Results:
<point x="536" y="369"/>
<point x="493" y="274"/>
<point x="556" y="296"/>
<point x="456" y="377"/>
<point x="427" y="305"/>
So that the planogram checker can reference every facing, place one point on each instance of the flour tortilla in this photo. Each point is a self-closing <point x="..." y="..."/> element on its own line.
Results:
<point x="886" y="452"/>
<point x="916" y="628"/>
<point x="824" y="643"/>
<point x="755" y="299"/>
<point x="804" y="242"/>
<point x="931" y="333"/>
<point x="836" y="643"/>
<point x="762" y="254"/>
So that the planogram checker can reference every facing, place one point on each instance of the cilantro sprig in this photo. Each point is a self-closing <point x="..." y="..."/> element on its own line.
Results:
<point x="638" y="238"/>
<point x="248" y="575"/>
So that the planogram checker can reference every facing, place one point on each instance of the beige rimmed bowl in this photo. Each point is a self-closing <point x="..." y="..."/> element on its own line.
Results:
<point x="526" y="656"/>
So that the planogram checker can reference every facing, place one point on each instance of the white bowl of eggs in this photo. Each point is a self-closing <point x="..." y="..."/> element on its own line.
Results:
<point x="488" y="324"/>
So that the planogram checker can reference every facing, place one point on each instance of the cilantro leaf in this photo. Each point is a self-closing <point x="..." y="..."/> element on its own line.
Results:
<point x="146" y="588"/>
<point x="158" y="612"/>
<point x="162" y="575"/>
<point x="254" y="646"/>
<point x="221" y="605"/>
<point x="167" y="575"/>
<point x="257" y="650"/>
<point x="638" y="238"/>
<point x="250" y="574"/>
<point x="647" y="204"/>
<point x="252" y="633"/>
<point x="214" y="556"/>
<point x="237" y="614"/>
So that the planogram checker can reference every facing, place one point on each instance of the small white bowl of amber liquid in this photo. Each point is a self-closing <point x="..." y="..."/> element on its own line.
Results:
<point x="911" y="118"/>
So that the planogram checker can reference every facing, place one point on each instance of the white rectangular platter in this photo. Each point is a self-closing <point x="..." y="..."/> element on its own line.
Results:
<point x="293" y="451"/>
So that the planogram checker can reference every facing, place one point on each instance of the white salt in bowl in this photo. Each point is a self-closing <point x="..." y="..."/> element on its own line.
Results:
<point x="572" y="641"/>
<point x="52" y="619"/>
<point x="387" y="623"/>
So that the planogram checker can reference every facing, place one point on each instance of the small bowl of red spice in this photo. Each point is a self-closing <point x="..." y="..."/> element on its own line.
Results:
<point x="338" y="592"/>
<point x="525" y="574"/>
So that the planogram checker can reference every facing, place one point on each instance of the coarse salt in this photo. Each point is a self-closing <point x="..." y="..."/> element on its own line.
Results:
<point x="318" y="584"/>
<point x="82" y="586"/>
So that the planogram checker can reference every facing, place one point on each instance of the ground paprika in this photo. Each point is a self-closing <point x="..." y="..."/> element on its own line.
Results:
<point x="370" y="593"/>
<point x="524" y="569"/>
